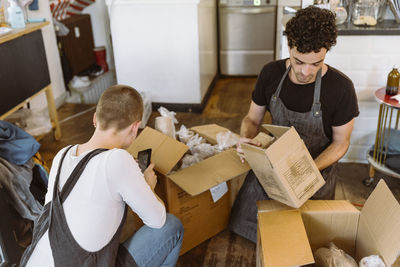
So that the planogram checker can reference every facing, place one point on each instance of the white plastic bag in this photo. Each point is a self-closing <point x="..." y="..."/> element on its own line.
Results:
<point x="166" y="123"/>
<point x="204" y="150"/>
<point x="226" y="140"/>
<point x="184" y="134"/>
<point x="189" y="160"/>
<point x="372" y="261"/>
<point x="195" y="140"/>
<point x="332" y="256"/>
<point x="166" y="113"/>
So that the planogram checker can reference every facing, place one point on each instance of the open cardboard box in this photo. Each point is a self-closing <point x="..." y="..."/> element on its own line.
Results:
<point x="287" y="236"/>
<point x="186" y="192"/>
<point x="284" y="167"/>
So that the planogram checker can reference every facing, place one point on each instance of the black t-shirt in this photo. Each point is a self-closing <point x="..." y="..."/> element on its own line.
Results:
<point x="338" y="98"/>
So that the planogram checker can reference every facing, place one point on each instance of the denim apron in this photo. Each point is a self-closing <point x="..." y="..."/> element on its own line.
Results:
<point x="66" y="251"/>
<point x="310" y="127"/>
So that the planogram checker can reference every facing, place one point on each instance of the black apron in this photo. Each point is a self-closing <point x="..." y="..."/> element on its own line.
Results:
<point x="66" y="251"/>
<point x="310" y="127"/>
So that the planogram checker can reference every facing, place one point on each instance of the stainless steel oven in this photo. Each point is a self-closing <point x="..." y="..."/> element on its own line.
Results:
<point x="246" y="35"/>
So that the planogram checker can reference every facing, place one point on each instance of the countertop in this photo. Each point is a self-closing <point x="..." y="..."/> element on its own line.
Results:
<point x="15" y="33"/>
<point x="385" y="27"/>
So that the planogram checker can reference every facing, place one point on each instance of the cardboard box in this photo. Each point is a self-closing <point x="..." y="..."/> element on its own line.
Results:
<point x="186" y="192"/>
<point x="287" y="236"/>
<point x="284" y="167"/>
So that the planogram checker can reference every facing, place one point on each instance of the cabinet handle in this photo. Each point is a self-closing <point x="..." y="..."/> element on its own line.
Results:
<point x="251" y="11"/>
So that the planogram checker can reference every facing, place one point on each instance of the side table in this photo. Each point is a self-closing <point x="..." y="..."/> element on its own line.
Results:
<point x="388" y="120"/>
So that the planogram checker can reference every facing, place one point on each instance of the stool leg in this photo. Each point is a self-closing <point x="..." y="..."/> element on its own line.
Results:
<point x="368" y="181"/>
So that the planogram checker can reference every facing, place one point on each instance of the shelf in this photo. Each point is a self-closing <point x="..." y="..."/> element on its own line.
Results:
<point x="15" y="33"/>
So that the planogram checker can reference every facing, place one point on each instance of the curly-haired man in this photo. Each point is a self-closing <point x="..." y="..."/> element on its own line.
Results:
<point x="304" y="92"/>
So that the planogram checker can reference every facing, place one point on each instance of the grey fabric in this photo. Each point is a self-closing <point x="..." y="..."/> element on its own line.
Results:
<point x="16" y="180"/>
<point x="309" y="125"/>
<point x="243" y="219"/>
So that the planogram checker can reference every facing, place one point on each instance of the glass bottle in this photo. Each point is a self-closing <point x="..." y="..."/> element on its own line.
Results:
<point x="392" y="85"/>
<point x="340" y="12"/>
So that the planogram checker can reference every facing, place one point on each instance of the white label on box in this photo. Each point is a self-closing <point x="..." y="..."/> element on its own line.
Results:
<point x="218" y="191"/>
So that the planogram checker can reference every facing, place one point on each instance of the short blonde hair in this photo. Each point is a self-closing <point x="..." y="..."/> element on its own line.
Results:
<point x="119" y="106"/>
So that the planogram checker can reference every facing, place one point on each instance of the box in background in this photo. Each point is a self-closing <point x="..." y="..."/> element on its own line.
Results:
<point x="285" y="168"/>
<point x="287" y="236"/>
<point x="186" y="193"/>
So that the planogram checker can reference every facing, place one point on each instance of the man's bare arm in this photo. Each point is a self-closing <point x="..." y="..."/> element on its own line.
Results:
<point x="252" y="121"/>
<point x="250" y="126"/>
<point x="336" y="150"/>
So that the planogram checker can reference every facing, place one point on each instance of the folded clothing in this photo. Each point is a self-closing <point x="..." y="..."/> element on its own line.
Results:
<point x="16" y="145"/>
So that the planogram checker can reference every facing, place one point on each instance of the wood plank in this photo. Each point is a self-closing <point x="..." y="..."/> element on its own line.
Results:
<point x="15" y="33"/>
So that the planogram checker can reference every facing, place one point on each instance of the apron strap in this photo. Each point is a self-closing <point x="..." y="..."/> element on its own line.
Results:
<point x="278" y="90"/>
<point x="55" y="186"/>
<point x="76" y="173"/>
<point x="316" y="107"/>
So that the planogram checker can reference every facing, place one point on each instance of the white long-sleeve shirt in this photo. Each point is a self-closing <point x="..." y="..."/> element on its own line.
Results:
<point x="95" y="206"/>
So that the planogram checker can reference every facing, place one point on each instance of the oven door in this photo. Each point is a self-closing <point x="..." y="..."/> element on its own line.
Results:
<point x="247" y="39"/>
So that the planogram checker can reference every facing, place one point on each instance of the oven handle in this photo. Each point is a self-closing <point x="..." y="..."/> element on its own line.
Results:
<point x="244" y="10"/>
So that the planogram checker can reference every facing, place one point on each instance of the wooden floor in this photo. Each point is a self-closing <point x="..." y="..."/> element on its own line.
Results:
<point x="227" y="105"/>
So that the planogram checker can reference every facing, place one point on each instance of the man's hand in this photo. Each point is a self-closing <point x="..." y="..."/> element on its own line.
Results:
<point x="150" y="176"/>
<point x="239" y="149"/>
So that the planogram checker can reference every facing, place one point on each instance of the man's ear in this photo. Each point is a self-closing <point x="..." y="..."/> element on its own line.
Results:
<point x="94" y="120"/>
<point x="135" y="126"/>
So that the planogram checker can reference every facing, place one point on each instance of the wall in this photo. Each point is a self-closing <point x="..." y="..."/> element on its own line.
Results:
<point x="101" y="28"/>
<point x="366" y="60"/>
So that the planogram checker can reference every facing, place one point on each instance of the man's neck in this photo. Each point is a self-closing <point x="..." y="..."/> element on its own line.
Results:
<point x="99" y="140"/>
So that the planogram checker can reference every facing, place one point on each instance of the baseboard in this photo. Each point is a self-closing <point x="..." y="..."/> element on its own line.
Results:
<point x="188" y="107"/>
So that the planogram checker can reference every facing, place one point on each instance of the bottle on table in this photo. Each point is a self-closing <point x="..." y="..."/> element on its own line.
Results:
<point x="16" y="17"/>
<point x="392" y="85"/>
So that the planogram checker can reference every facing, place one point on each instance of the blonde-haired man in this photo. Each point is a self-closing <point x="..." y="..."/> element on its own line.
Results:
<point x="89" y="187"/>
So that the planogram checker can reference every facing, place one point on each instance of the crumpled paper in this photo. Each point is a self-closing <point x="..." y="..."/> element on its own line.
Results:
<point x="396" y="97"/>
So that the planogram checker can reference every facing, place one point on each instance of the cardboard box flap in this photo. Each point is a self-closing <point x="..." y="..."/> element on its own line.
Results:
<point x="271" y="205"/>
<point x="210" y="131"/>
<point x="284" y="240"/>
<point x="379" y="224"/>
<point x="331" y="221"/>
<point x="278" y="150"/>
<point x="210" y="172"/>
<point x="329" y="206"/>
<point x="265" y="173"/>
<point x="166" y="152"/>
<point x="276" y="130"/>
<point x="264" y="139"/>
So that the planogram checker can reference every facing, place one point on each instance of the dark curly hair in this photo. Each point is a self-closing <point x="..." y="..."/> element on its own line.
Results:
<point x="311" y="29"/>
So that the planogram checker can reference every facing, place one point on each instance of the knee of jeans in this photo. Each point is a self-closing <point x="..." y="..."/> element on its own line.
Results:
<point x="174" y="224"/>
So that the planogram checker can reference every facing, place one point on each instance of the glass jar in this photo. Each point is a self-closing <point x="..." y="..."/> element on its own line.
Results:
<point x="365" y="13"/>
<point x="341" y="15"/>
